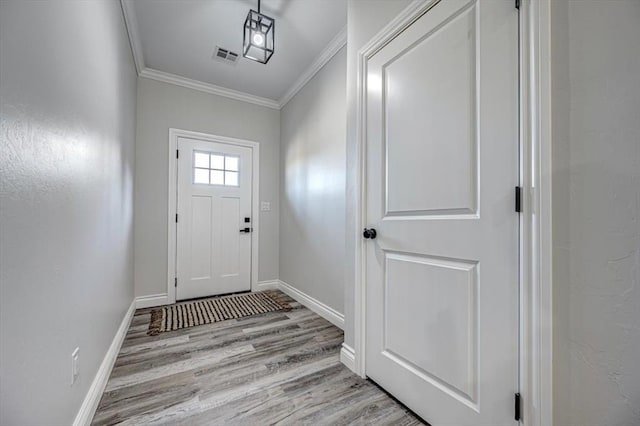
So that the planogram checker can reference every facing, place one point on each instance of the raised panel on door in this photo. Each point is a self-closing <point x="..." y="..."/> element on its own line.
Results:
<point x="430" y="113"/>
<point x="441" y="164"/>
<point x="201" y="234"/>
<point x="230" y="223"/>
<point x="436" y="298"/>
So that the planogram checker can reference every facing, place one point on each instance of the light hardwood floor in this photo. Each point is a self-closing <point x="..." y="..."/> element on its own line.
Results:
<point x="276" y="368"/>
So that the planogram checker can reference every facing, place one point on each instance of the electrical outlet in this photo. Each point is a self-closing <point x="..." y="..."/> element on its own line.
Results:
<point x="75" y="365"/>
<point x="265" y="206"/>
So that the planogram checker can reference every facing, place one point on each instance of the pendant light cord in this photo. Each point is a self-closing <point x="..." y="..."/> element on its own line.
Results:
<point x="258" y="6"/>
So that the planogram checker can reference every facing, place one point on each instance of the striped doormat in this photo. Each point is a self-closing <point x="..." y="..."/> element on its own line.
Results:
<point x="207" y="311"/>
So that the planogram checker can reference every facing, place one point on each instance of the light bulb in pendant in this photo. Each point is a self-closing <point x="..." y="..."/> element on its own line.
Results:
<point x="258" y="39"/>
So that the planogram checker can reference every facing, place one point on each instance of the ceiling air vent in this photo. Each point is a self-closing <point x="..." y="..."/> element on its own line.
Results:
<point x="225" y="55"/>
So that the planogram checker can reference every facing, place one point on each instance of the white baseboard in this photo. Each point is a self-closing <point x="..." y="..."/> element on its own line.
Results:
<point x="348" y="357"/>
<point x="92" y="399"/>
<point x="325" y="311"/>
<point x="267" y="285"/>
<point x="152" y="300"/>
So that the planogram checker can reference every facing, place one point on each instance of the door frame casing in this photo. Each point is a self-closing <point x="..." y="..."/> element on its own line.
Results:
<point x="172" y="250"/>
<point x="535" y="354"/>
<point x="536" y="315"/>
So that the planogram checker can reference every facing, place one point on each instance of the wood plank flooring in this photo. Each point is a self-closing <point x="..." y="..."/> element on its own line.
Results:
<point x="277" y="368"/>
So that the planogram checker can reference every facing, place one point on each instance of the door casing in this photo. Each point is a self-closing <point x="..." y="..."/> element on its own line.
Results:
<point x="174" y="134"/>
<point x="535" y="354"/>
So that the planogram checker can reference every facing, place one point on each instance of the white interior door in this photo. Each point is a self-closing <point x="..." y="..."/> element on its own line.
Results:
<point x="442" y="164"/>
<point x="214" y="219"/>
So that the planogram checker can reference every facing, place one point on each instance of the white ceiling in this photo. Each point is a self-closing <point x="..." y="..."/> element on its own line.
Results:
<point x="179" y="37"/>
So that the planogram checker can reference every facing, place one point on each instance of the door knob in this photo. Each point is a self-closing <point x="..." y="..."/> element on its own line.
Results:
<point x="246" y="230"/>
<point x="369" y="233"/>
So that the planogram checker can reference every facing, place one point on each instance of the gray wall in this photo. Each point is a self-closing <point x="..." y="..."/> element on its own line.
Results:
<point x="365" y="18"/>
<point x="162" y="106"/>
<point x="68" y="93"/>
<point x="312" y="185"/>
<point x="596" y="207"/>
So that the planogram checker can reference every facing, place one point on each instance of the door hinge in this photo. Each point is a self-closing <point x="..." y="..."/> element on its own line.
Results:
<point x="176" y="217"/>
<point x="517" y="4"/>
<point x="518" y="199"/>
<point x="516" y="407"/>
<point x="175" y="282"/>
<point x="177" y="153"/>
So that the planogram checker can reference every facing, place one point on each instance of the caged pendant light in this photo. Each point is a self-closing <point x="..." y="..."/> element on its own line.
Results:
<point x="258" y="40"/>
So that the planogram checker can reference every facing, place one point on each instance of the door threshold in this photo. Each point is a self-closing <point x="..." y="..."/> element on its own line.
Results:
<point x="213" y="296"/>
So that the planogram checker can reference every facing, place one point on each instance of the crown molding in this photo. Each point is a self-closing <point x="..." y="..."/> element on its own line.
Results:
<point x="334" y="46"/>
<point x="131" y="22"/>
<point x="166" y="77"/>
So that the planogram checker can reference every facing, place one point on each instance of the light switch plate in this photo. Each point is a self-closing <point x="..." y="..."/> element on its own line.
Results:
<point x="265" y="206"/>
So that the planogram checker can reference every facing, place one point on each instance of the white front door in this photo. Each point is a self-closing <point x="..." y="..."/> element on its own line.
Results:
<point x="214" y="218"/>
<point x="442" y="163"/>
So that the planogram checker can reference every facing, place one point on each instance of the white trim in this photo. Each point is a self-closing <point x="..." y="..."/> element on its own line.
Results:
<point x="131" y="22"/>
<point x="348" y="357"/>
<point x="174" y="134"/>
<point x="152" y="300"/>
<point x="267" y="285"/>
<point x="536" y="383"/>
<point x="536" y="243"/>
<point x="177" y="80"/>
<point x="325" y="311"/>
<point x="92" y="399"/>
<point x="334" y="46"/>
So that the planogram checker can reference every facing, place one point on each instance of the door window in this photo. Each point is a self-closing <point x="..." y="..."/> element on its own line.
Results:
<point x="215" y="169"/>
